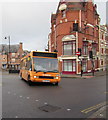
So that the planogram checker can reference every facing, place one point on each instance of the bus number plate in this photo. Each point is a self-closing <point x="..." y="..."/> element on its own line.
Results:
<point x="46" y="81"/>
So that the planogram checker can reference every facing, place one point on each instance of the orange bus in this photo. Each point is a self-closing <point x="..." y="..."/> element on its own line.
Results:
<point x="40" y="67"/>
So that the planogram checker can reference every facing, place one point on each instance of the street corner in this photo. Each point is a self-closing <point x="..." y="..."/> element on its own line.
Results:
<point x="99" y="114"/>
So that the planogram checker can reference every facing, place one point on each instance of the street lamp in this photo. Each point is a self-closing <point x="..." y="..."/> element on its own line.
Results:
<point x="8" y="55"/>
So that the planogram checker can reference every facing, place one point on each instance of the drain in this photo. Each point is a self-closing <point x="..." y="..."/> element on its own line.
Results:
<point x="49" y="108"/>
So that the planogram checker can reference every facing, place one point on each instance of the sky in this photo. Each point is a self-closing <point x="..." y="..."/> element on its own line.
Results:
<point x="29" y="21"/>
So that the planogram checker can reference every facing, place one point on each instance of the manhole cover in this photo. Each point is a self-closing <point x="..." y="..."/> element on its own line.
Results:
<point x="49" y="108"/>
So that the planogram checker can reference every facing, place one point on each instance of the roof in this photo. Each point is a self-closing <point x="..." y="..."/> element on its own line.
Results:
<point x="5" y="48"/>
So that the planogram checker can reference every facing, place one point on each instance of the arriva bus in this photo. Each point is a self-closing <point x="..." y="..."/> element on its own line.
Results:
<point x="40" y="67"/>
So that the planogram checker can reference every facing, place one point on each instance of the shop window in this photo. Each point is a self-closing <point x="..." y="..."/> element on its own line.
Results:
<point x="69" y="65"/>
<point x="69" y="48"/>
<point x="84" y="63"/>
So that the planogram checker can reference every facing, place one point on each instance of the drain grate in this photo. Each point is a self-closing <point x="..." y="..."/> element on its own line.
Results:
<point x="49" y="108"/>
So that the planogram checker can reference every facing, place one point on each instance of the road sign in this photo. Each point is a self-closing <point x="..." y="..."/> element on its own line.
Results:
<point x="78" y="53"/>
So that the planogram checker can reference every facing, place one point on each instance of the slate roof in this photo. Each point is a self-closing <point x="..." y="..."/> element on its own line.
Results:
<point x="5" y="48"/>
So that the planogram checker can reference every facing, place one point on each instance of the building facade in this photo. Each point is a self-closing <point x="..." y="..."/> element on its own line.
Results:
<point x="103" y="47"/>
<point x="75" y="28"/>
<point x="11" y="58"/>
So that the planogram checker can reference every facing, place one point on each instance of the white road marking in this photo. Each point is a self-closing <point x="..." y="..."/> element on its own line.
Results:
<point x="8" y="92"/>
<point x="68" y="109"/>
<point x="45" y="103"/>
<point x="36" y="100"/>
<point x="20" y="96"/>
<point x="28" y="97"/>
<point x="16" y="116"/>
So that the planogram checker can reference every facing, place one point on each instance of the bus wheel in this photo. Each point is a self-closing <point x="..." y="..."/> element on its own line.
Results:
<point x="20" y="76"/>
<point x="29" y="81"/>
<point x="55" y="83"/>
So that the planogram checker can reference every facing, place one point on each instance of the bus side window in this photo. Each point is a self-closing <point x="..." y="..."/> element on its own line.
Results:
<point x="29" y="65"/>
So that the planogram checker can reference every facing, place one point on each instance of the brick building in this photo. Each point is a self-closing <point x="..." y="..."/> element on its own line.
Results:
<point x="75" y="27"/>
<point x="13" y="58"/>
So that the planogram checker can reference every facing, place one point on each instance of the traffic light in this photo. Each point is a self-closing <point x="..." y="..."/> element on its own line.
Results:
<point x="91" y="54"/>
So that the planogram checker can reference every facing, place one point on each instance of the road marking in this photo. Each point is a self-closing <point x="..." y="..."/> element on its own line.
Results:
<point x="36" y="100"/>
<point x="16" y="116"/>
<point x="8" y="92"/>
<point x="45" y="103"/>
<point x="28" y="97"/>
<point x="20" y="96"/>
<point x="93" y="108"/>
<point x="68" y="109"/>
<point x="0" y="84"/>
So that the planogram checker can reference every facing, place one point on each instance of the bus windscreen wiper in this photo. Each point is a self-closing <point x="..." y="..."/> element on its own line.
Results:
<point x="56" y="71"/>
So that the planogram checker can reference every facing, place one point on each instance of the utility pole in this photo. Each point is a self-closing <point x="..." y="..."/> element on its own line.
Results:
<point x="79" y="53"/>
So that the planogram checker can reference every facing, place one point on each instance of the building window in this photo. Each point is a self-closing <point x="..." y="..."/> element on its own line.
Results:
<point x="13" y="60"/>
<point x="63" y="13"/>
<point x="85" y="48"/>
<point x="94" y="47"/>
<point x="84" y="63"/>
<point x="75" y="26"/>
<point x="101" y="62"/>
<point x="69" y="65"/>
<point x="69" y="48"/>
<point x="13" y="54"/>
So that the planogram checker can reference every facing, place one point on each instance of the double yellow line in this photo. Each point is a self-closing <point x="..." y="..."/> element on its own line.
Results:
<point x="94" y="107"/>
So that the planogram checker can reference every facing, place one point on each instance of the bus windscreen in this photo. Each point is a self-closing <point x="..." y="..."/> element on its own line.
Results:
<point x="45" y="65"/>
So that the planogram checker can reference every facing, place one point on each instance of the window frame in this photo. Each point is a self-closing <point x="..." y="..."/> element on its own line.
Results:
<point x="73" y="47"/>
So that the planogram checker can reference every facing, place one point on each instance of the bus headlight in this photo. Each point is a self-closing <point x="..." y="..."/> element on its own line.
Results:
<point x="56" y="77"/>
<point x="36" y="77"/>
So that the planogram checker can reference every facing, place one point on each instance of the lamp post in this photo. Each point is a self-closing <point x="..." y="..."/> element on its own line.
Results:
<point x="8" y="55"/>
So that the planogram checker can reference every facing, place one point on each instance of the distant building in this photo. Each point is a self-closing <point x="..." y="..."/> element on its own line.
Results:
<point x="103" y="46"/>
<point x="75" y="28"/>
<point x="13" y="58"/>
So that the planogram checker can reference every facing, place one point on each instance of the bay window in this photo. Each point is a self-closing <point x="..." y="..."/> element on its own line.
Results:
<point x="69" y="65"/>
<point x="69" y="48"/>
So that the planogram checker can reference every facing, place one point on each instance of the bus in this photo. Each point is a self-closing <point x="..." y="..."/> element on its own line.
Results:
<point x="40" y="67"/>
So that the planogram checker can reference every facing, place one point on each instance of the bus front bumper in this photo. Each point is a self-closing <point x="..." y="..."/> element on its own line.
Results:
<point x="45" y="80"/>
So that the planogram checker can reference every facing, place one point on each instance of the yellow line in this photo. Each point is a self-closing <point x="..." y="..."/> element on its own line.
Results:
<point x="93" y="107"/>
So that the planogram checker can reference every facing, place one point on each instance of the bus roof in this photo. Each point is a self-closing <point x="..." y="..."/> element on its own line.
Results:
<point x="41" y="54"/>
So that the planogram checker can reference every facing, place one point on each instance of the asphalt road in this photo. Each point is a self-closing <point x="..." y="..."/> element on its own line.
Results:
<point x="68" y="100"/>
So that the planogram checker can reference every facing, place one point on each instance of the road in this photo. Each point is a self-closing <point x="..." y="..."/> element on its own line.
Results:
<point x="73" y="98"/>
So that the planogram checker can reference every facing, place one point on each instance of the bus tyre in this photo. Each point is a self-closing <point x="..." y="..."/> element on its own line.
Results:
<point x="29" y="81"/>
<point x="20" y="75"/>
<point x="56" y="83"/>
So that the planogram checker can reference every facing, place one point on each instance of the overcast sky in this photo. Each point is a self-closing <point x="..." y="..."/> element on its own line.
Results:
<point x="29" y="22"/>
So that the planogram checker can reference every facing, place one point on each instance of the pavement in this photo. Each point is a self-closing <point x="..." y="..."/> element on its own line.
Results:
<point x="99" y="114"/>
<point x="85" y="76"/>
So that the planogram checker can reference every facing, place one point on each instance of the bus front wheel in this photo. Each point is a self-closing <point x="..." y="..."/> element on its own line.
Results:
<point x="21" y="78"/>
<point x="55" y="83"/>
<point x="29" y="81"/>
